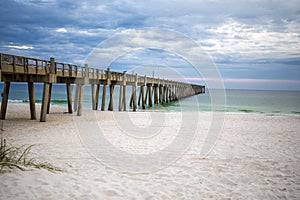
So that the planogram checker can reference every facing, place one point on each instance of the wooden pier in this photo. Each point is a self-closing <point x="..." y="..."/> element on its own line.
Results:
<point x="31" y="70"/>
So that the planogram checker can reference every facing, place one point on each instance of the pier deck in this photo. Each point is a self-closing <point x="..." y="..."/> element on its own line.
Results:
<point x="31" y="70"/>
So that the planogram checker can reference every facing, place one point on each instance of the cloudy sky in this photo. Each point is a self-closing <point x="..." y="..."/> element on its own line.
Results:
<point x="254" y="44"/>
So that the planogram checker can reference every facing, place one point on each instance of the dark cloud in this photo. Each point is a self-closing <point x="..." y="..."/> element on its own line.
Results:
<point x="235" y="33"/>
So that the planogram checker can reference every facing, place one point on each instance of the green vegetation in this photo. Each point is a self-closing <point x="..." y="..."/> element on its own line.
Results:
<point x="17" y="157"/>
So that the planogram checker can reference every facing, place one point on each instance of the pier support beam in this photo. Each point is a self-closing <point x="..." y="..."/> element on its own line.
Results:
<point x="93" y="97"/>
<point x="49" y="98"/>
<point x="167" y="94"/>
<point x="103" y="98"/>
<point x="134" y="93"/>
<point x="150" y="95"/>
<point x="122" y="96"/>
<point x="134" y="97"/>
<point x="146" y="96"/>
<point x="69" y="97"/>
<point x="31" y="100"/>
<point x="163" y="94"/>
<point x="76" y="97"/>
<point x="80" y="99"/>
<point x="155" y="95"/>
<point x="5" y="94"/>
<point x="45" y="99"/>
<point x="97" y="96"/>
<point x="143" y="97"/>
<point x="111" y="97"/>
<point x="159" y="94"/>
<point x="140" y="97"/>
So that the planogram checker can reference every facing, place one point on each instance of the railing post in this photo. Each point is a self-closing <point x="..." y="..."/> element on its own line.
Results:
<point x="14" y="64"/>
<point x="36" y="67"/>
<point x="86" y="68"/>
<point x="63" y="70"/>
<point x="25" y="65"/>
<point x="70" y="70"/>
<point x="52" y="66"/>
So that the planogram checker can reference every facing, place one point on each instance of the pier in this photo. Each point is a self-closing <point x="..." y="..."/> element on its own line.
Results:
<point x="31" y="70"/>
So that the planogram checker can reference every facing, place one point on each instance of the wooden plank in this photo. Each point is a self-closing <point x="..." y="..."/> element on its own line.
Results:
<point x="69" y="97"/>
<point x="45" y="102"/>
<point x="4" y="102"/>
<point x="31" y="100"/>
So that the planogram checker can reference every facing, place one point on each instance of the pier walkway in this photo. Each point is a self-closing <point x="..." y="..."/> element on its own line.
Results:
<point x="31" y="70"/>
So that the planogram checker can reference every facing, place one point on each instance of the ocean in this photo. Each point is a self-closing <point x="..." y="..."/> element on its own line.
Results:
<point x="256" y="101"/>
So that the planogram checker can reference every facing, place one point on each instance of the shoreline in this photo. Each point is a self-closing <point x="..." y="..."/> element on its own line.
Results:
<point x="153" y="109"/>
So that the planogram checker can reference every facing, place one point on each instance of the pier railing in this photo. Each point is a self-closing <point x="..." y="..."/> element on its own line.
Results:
<point x="15" y="68"/>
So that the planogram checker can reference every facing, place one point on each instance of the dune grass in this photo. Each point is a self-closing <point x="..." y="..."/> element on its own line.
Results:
<point x="17" y="157"/>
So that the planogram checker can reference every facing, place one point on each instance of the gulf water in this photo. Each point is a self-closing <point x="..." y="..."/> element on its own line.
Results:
<point x="258" y="101"/>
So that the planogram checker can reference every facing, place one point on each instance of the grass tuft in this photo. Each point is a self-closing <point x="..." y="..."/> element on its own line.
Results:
<point x="17" y="157"/>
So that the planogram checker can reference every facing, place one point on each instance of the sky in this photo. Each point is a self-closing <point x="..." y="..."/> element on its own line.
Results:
<point x="253" y="44"/>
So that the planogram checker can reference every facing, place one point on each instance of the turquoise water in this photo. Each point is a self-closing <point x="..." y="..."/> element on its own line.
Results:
<point x="257" y="101"/>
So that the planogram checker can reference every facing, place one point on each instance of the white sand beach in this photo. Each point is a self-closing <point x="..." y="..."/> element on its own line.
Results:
<point x="256" y="156"/>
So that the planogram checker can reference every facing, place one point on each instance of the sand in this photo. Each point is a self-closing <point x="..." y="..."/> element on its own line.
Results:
<point x="256" y="156"/>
